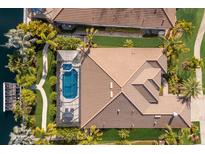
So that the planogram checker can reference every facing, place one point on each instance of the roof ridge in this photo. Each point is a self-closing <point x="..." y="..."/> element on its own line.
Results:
<point x="140" y="67"/>
<point x="172" y="24"/>
<point x="102" y="109"/>
<point x="57" y="14"/>
<point x="103" y="69"/>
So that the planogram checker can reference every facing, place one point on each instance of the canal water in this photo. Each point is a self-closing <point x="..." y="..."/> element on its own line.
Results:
<point x="9" y="18"/>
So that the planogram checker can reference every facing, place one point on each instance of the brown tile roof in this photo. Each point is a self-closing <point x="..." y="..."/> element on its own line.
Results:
<point x="123" y="67"/>
<point x="118" y="17"/>
<point x="121" y="63"/>
<point x="147" y="74"/>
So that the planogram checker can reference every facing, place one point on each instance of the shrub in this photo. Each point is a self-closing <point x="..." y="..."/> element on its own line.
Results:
<point x="52" y="111"/>
<point x="67" y="43"/>
<point x="53" y="80"/>
<point x="36" y="28"/>
<point x="26" y="80"/>
<point x="53" y="96"/>
<point x="28" y="96"/>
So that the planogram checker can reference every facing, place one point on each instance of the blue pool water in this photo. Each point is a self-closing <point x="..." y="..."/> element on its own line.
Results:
<point x="67" y="66"/>
<point x="70" y="84"/>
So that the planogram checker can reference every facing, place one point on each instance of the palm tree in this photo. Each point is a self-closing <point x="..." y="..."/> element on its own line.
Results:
<point x="180" y="27"/>
<point x="90" y="33"/>
<point x="21" y="136"/>
<point x="191" y="88"/>
<point x="68" y="135"/>
<point x="128" y="43"/>
<point x="20" y="40"/>
<point x="169" y="136"/>
<point x="192" y="64"/>
<point x="44" y="137"/>
<point x="48" y="39"/>
<point x="123" y="134"/>
<point x="172" y="48"/>
<point x="185" y="136"/>
<point x="89" y="136"/>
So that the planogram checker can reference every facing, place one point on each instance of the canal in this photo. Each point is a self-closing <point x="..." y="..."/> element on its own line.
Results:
<point x="9" y="18"/>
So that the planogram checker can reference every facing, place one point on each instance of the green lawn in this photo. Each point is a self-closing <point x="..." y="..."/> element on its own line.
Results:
<point x="135" y="134"/>
<point x="38" y="111"/>
<point x="194" y="16"/>
<point x="107" y="41"/>
<point x="202" y="54"/>
<point x="141" y="135"/>
<point x="47" y="87"/>
<point x="39" y="101"/>
<point x="39" y="65"/>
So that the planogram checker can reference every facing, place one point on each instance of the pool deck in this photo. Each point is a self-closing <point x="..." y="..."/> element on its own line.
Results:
<point x="65" y="105"/>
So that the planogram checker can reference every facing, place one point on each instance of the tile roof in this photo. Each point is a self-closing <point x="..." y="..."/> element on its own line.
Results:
<point x="121" y="63"/>
<point x="125" y="66"/>
<point x="117" y="17"/>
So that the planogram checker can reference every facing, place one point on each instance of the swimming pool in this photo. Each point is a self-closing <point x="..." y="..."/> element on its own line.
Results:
<point x="67" y="66"/>
<point x="70" y="84"/>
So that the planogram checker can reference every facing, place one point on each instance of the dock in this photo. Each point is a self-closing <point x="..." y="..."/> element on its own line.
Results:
<point x="11" y="93"/>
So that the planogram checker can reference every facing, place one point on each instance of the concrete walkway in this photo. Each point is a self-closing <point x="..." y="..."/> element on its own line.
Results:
<point x="198" y="105"/>
<point x="40" y="87"/>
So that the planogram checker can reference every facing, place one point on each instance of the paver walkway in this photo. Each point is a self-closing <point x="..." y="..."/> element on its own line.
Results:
<point x="198" y="105"/>
<point x="40" y="87"/>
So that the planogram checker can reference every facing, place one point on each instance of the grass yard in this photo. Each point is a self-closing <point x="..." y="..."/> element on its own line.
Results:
<point x="39" y="100"/>
<point x="111" y="135"/>
<point x="202" y="54"/>
<point x="38" y="111"/>
<point x="194" y="16"/>
<point x="39" y="65"/>
<point x="147" y="136"/>
<point x="107" y="41"/>
<point x="47" y="87"/>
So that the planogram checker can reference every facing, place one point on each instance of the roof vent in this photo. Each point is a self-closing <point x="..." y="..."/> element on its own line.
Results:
<point x="118" y="111"/>
<point x="111" y="85"/>
<point x="132" y="125"/>
<point x="132" y="111"/>
<point x="111" y="94"/>
<point x="175" y="114"/>
<point x="155" y="11"/>
<point x="157" y="116"/>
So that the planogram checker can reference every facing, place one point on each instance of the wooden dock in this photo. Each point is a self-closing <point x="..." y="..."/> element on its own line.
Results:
<point x="11" y="93"/>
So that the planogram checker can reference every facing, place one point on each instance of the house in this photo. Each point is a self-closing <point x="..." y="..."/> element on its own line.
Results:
<point x="119" y="88"/>
<point x="110" y="21"/>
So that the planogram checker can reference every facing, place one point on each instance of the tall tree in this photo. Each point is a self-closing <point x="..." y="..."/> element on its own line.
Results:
<point x="169" y="136"/>
<point x="21" y="136"/>
<point x="90" y="33"/>
<point x="68" y="135"/>
<point x="44" y="137"/>
<point x="123" y="134"/>
<point x="48" y="39"/>
<point x="180" y="27"/>
<point x="191" y="88"/>
<point x="89" y="136"/>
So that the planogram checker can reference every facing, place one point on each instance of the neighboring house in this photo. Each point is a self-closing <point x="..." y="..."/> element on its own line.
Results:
<point x="110" y="21"/>
<point x="119" y="88"/>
